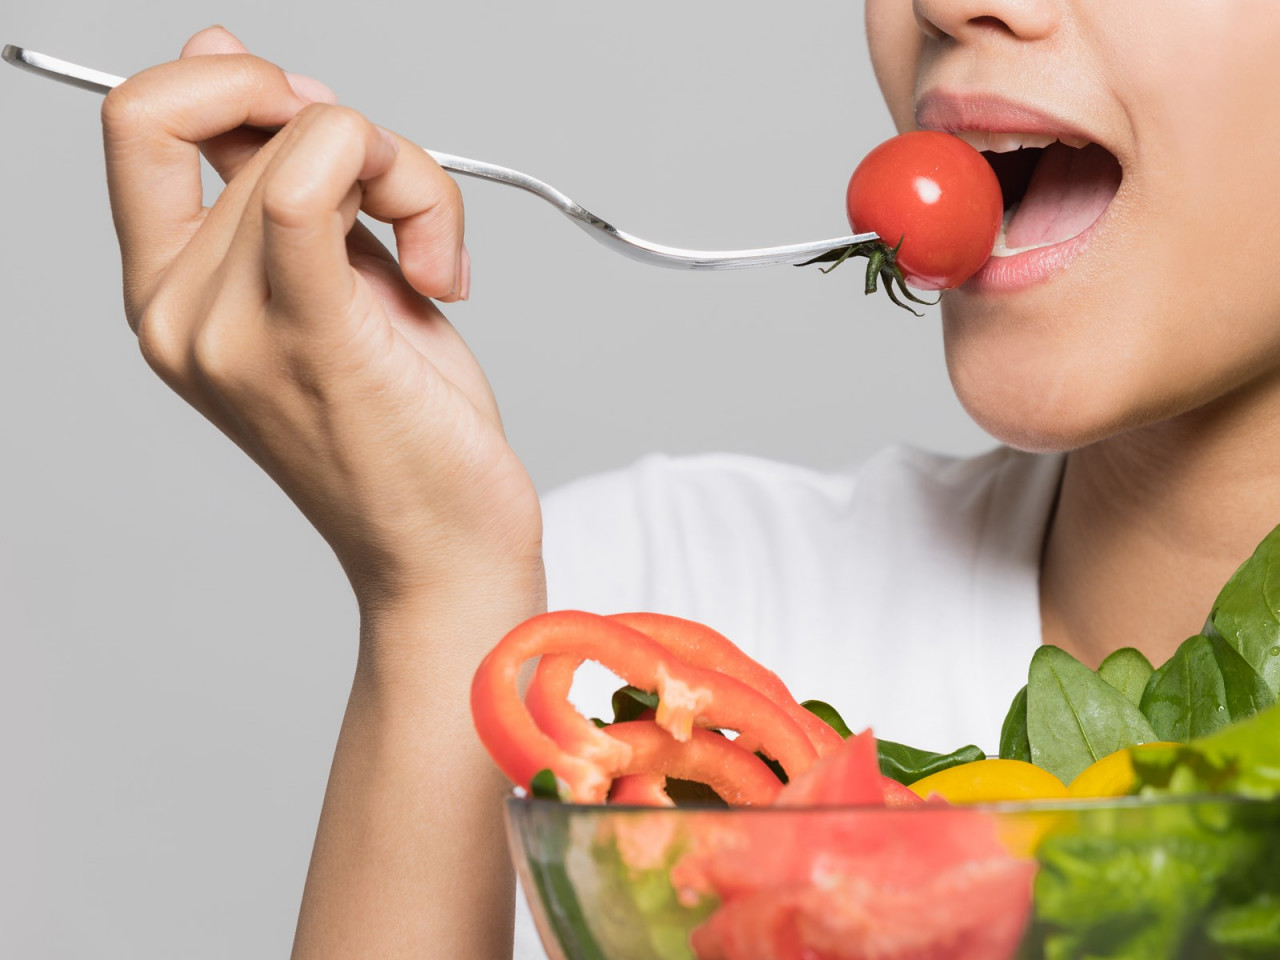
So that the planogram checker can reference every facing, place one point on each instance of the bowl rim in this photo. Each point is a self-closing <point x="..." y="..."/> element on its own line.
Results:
<point x="1055" y="805"/>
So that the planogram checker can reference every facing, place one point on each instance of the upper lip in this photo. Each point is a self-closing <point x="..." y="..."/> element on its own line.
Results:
<point x="952" y="111"/>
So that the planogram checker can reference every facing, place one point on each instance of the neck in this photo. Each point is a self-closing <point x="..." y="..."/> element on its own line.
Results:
<point x="1151" y="523"/>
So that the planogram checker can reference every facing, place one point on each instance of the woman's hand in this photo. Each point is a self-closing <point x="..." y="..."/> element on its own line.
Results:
<point x="291" y="328"/>
<point x="288" y="325"/>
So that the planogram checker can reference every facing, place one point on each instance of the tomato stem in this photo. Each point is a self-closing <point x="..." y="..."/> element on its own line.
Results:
<point x="882" y="264"/>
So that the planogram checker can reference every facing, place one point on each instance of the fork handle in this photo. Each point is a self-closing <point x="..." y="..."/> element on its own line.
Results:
<point x="600" y="230"/>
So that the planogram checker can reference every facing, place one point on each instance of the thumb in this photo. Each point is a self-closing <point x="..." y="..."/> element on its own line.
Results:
<point x="211" y="40"/>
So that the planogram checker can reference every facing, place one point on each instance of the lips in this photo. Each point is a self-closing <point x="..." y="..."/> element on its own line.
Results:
<point x="1058" y="182"/>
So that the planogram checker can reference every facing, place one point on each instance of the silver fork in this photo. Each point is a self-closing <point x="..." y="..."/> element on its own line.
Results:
<point x="601" y="230"/>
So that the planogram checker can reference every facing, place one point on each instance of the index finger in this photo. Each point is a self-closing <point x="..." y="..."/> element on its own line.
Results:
<point x="152" y="124"/>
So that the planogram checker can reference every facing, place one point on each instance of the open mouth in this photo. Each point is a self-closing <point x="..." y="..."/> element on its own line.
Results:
<point x="1054" y="189"/>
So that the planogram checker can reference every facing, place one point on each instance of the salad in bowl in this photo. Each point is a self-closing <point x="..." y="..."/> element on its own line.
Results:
<point x="1131" y="813"/>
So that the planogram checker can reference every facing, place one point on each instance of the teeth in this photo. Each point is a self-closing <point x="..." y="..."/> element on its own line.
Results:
<point x="982" y="140"/>
<point x="978" y="139"/>
<point x="1008" y="142"/>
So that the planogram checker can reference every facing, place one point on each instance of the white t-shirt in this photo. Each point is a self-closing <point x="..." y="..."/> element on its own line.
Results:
<point x="904" y="591"/>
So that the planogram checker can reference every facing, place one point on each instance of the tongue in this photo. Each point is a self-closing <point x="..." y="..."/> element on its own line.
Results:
<point x="1069" y="189"/>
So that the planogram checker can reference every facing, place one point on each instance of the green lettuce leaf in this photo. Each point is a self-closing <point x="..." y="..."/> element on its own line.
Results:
<point x="633" y="912"/>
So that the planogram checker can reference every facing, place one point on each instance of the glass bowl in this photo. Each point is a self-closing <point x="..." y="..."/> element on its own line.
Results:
<point x="1185" y="878"/>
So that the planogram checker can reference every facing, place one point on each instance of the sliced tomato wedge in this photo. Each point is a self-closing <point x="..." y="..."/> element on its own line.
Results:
<point x="831" y="882"/>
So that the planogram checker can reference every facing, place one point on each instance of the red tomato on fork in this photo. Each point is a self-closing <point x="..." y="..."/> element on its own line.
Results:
<point x="935" y="194"/>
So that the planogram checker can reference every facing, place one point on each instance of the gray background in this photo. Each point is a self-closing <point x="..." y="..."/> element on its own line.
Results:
<point x="175" y="641"/>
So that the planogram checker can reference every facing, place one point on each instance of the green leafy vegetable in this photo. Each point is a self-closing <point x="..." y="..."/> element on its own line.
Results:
<point x="909" y="764"/>
<point x="1128" y="670"/>
<point x="897" y="760"/>
<point x="1141" y="883"/>
<point x="1074" y="717"/>
<point x="1014" y="743"/>
<point x="630" y="702"/>
<point x="546" y="850"/>
<point x="1204" y="686"/>
<point x="1187" y="880"/>
<point x="632" y="910"/>
<point x="1248" y="931"/>
<point x="1242" y="759"/>
<point x="1247" y="611"/>
<point x="828" y="715"/>
<point x="545" y="786"/>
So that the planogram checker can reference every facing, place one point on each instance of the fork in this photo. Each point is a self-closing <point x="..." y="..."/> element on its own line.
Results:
<point x="597" y="228"/>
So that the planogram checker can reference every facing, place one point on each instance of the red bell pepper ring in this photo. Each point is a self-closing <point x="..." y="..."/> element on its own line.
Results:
<point x="548" y="701"/>
<point x="698" y="644"/>
<point x="685" y="693"/>
<point x="738" y="778"/>
<point x="694" y="643"/>
<point x="642" y="790"/>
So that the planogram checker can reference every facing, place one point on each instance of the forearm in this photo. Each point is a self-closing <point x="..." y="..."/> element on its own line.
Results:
<point x="410" y="857"/>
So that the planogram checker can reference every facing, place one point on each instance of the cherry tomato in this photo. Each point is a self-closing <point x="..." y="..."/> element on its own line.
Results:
<point x="936" y="194"/>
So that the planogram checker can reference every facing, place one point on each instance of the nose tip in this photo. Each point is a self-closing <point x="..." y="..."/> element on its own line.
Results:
<point x="966" y="19"/>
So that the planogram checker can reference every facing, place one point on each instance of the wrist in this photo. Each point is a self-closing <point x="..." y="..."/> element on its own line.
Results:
<point x="434" y="635"/>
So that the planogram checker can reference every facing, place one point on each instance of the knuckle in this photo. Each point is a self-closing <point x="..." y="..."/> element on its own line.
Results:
<point x="286" y="202"/>
<point x="345" y="120"/>
<point x="214" y="354"/>
<point x="158" y="340"/>
<point x="126" y="112"/>
<point x="450" y="195"/>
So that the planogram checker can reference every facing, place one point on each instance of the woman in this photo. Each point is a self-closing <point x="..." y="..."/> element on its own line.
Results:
<point x="331" y="367"/>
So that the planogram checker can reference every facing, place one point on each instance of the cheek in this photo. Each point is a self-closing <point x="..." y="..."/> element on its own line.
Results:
<point x="1063" y="368"/>
<point x="1174" y="306"/>
<point x="896" y="45"/>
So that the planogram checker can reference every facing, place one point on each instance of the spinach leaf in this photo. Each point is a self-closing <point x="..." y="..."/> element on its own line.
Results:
<point x="545" y="786"/>
<point x="629" y="702"/>
<point x="909" y="764"/>
<point x="1203" y="687"/>
<point x="1243" y="758"/>
<point x="1014" y="744"/>
<point x="1247" y="612"/>
<point x="1128" y="671"/>
<point x="897" y="760"/>
<point x="828" y="715"/>
<point x="1074" y="717"/>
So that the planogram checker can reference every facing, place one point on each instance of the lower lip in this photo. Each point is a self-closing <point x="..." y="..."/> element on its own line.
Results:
<point x="1021" y="270"/>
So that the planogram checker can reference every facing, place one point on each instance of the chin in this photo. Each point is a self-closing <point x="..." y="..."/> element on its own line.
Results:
<point x="1035" y="427"/>
<point x="1034" y="385"/>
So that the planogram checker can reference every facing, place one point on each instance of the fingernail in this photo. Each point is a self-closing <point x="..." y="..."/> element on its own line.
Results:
<point x="389" y="139"/>
<point x="310" y="89"/>
<point x="464" y="269"/>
